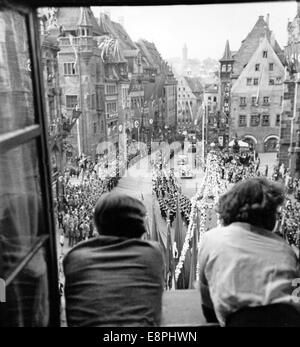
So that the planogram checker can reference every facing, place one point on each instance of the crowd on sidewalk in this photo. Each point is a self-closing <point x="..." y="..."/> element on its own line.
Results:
<point x="77" y="200"/>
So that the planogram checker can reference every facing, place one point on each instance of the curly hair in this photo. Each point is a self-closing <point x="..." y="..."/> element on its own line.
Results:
<point x="254" y="201"/>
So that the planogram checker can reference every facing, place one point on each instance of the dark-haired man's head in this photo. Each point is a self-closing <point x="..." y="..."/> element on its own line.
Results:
<point x="120" y="215"/>
<point x="254" y="201"/>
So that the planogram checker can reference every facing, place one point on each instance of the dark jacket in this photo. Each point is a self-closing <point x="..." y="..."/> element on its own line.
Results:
<point x="112" y="281"/>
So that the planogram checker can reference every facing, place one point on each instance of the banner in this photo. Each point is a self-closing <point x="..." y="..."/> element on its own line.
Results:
<point x="292" y="53"/>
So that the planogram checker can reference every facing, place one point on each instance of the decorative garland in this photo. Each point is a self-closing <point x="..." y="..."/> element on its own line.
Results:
<point x="211" y="187"/>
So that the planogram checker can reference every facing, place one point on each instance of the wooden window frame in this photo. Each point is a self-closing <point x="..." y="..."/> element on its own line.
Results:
<point x="39" y="133"/>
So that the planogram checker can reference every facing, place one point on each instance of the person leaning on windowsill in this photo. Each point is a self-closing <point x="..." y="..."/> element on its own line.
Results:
<point x="243" y="263"/>
<point x="115" y="279"/>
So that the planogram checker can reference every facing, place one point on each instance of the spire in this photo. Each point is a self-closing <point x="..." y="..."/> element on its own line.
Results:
<point x="298" y="10"/>
<point x="84" y="17"/>
<point x="227" y="53"/>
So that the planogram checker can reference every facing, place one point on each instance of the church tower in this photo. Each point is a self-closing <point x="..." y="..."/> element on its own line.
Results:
<point x="184" y="53"/>
<point x="226" y="67"/>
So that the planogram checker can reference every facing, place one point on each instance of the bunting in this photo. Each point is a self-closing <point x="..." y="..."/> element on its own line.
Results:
<point x="169" y="258"/>
<point x="75" y="51"/>
<point x="194" y="257"/>
<point x="178" y="242"/>
<point x="258" y="87"/>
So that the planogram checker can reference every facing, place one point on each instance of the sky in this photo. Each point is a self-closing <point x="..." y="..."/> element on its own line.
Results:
<point x="204" y="28"/>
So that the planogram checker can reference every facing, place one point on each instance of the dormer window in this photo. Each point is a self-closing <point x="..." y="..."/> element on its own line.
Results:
<point x="84" y="32"/>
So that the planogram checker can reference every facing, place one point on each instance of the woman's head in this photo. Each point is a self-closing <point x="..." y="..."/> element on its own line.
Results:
<point x="254" y="201"/>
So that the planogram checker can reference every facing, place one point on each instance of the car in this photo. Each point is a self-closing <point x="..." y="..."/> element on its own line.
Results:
<point x="182" y="160"/>
<point x="186" y="172"/>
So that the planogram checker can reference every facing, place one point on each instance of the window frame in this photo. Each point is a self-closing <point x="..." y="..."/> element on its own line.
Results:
<point x="72" y="68"/>
<point x="38" y="133"/>
<point x="244" y="117"/>
<point x="257" y="117"/>
<point x="262" y="120"/>
<point x="243" y="101"/>
<point x="71" y="107"/>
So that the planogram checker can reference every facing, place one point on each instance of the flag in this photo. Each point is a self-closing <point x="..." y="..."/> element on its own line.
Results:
<point x="169" y="258"/>
<point x="194" y="257"/>
<point x="258" y="89"/>
<point x="178" y="242"/>
<point x="147" y="235"/>
<point x="155" y="233"/>
<point x="76" y="55"/>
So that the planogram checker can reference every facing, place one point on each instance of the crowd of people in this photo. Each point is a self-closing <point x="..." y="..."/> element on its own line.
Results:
<point x="169" y="196"/>
<point x="236" y="167"/>
<point x="239" y="169"/>
<point x="102" y="175"/>
<point x="77" y="200"/>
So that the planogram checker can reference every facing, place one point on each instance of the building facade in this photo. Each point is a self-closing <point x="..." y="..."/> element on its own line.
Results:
<point x="211" y="103"/>
<point x="189" y="102"/>
<point x="255" y="88"/>
<point x="81" y="71"/>
<point x="289" y="147"/>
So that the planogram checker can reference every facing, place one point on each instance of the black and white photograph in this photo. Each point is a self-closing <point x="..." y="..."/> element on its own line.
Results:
<point x="149" y="166"/>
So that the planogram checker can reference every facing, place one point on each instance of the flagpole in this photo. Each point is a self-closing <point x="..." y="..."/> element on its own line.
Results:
<point x="292" y="122"/>
<point x="78" y="137"/>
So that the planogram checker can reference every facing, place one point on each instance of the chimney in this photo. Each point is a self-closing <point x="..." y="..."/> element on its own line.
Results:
<point x="121" y="21"/>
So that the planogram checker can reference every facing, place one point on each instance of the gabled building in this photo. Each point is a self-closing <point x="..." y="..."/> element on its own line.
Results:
<point x="289" y="146"/>
<point x="251" y="88"/>
<point x="189" y="101"/>
<point x="211" y="103"/>
<point x="256" y="99"/>
<point x="160" y="94"/>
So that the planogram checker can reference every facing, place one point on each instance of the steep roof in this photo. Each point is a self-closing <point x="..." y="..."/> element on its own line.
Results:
<point x="150" y="53"/>
<point x="71" y="17"/>
<point x="195" y="84"/>
<point x="211" y="88"/>
<point x="227" y="53"/>
<point x="263" y="75"/>
<point x="84" y="17"/>
<point x="250" y="44"/>
<point x="110" y="50"/>
<point x="117" y="31"/>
